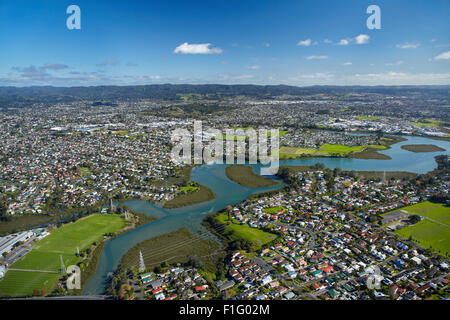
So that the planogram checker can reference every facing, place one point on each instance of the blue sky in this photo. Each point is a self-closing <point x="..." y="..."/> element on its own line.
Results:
<point x="260" y="42"/>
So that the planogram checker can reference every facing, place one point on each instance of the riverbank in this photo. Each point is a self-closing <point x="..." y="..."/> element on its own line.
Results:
<point x="366" y="175"/>
<point x="202" y="194"/>
<point x="422" y="148"/>
<point x="371" y="152"/>
<point x="89" y="268"/>
<point x="245" y="176"/>
<point x="179" y="246"/>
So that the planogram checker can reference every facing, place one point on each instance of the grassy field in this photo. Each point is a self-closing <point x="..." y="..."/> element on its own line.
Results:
<point x="201" y="194"/>
<point x="85" y="171"/>
<point x="274" y="209"/>
<point x="435" y="211"/>
<point x="121" y="132"/>
<point x="340" y="149"/>
<point x="245" y="176"/>
<point x="428" y="235"/>
<point x="189" y="188"/>
<point x="46" y="253"/>
<point x="431" y="123"/>
<point x="174" y="247"/>
<point x="243" y="231"/>
<point x="324" y="150"/>
<point x="433" y="231"/>
<point x="422" y="148"/>
<point x="367" y="118"/>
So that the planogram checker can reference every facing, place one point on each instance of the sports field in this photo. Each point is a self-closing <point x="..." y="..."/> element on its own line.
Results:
<point x="45" y="255"/>
<point x="433" y="231"/>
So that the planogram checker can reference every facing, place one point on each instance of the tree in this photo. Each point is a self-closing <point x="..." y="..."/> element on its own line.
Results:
<point x="337" y="172"/>
<point x="195" y="261"/>
<point x="414" y="219"/>
<point x="229" y="208"/>
<point x="157" y="269"/>
<point x="3" y="212"/>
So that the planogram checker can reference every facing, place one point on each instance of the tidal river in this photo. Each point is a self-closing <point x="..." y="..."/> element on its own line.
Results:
<point x="228" y="193"/>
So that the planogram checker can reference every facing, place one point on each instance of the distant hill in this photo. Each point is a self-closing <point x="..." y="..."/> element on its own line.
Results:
<point x="21" y="96"/>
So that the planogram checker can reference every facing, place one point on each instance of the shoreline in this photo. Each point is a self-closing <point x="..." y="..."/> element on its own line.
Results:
<point x="245" y="176"/>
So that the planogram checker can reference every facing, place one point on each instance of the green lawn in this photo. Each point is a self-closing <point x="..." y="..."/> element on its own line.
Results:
<point x="85" y="171"/>
<point x="435" y="211"/>
<point x="376" y="146"/>
<point x="274" y="209"/>
<point x="243" y="231"/>
<point x="340" y="149"/>
<point x="434" y="232"/>
<point x="367" y="118"/>
<point x="324" y="150"/>
<point x="431" y="123"/>
<point x="20" y="283"/>
<point x="121" y="132"/>
<point x="427" y="234"/>
<point x="189" y="188"/>
<point x="45" y="255"/>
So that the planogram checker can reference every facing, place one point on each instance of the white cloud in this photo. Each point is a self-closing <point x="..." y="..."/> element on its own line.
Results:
<point x="443" y="56"/>
<point x="408" y="45"/>
<point x="255" y="67"/>
<point x="362" y="39"/>
<point x="227" y="76"/>
<point x="397" y="63"/>
<point x="317" y="75"/>
<point x="347" y="64"/>
<point x="316" y="57"/>
<point x="305" y="43"/>
<point x="266" y="44"/>
<point x="199" y="48"/>
<point x="401" y="78"/>
<point x="327" y="41"/>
